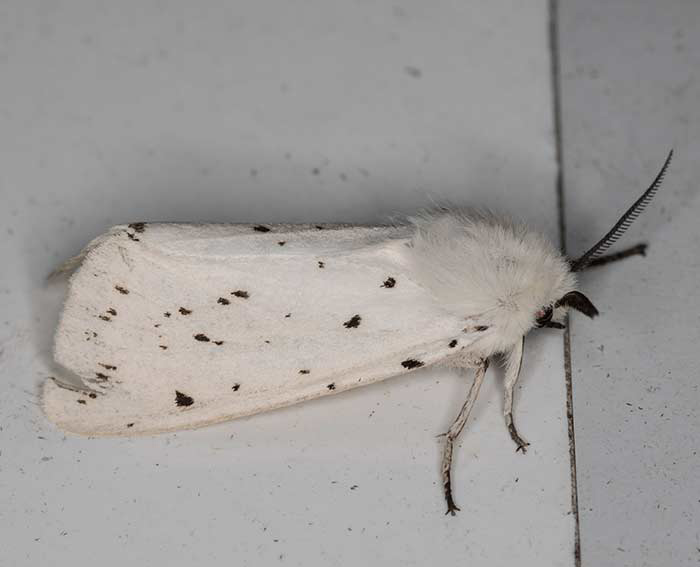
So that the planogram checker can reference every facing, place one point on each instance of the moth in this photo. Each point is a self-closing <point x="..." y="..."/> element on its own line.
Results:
<point x="177" y="326"/>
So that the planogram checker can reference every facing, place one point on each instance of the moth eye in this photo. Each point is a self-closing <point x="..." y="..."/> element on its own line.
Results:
<point x="543" y="316"/>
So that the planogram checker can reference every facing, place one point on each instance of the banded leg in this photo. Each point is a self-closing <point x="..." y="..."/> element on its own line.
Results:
<point x="455" y="430"/>
<point x="513" y="364"/>
<point x="639" y="249"/>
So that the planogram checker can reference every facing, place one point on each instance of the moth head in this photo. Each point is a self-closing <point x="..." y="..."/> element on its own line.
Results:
<point x="552" y="314"/>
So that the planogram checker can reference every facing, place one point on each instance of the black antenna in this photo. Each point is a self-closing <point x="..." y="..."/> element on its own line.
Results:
<point x="624" y="223"/>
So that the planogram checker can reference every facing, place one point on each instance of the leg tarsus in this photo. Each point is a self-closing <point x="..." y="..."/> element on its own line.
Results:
<point x="515" y="436"/>
<point x="636" y="250"/>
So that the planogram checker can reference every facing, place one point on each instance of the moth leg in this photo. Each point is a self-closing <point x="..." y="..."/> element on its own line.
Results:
<point x="514" y="362"/>
<point x="455" y="430"/>
<point x="639" y="249"/>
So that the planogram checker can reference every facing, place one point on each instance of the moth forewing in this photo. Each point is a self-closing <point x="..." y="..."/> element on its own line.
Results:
<point x="238" y="324"/>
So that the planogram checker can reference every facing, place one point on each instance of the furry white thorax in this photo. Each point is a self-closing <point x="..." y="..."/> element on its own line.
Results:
<point x="490" y="270"/>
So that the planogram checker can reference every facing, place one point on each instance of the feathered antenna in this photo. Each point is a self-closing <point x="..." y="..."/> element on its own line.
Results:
<point x="624" y="223"/>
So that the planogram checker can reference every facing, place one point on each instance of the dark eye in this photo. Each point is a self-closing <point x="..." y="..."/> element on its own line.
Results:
<point x="543" y="316"/>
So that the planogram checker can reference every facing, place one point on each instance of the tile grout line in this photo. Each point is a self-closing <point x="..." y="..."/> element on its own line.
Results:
<point x="559" y="158"/>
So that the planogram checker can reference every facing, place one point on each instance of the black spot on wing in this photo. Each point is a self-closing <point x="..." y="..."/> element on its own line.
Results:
<point x="236" y="387"/>
<point x="321" y="264"/>
<point x="353" y="322"/>
<point x="241" y="293"/>
<point x="453" y="343"/>
<point x="282" y="242"/>
<point x="223" y="301"/>
<point x="92" y="395"/>
<point x="112" y="311"/>
<point x="121" y="289"/>
<point x="304" y="371"/>
<point x="201" y="337"/>
<point x="261" y="228"/>
<point x="288" y="315"/>
<point x="184" y="311"/>
<point x="163" y="347"/>
<point x="389" y="283"/>
<point x="331" y="386"/>
<point x="130" y="424"/>
<point x="412" y="363"/>
<point x="183" y="400"/>
<point x="167" y="314"/>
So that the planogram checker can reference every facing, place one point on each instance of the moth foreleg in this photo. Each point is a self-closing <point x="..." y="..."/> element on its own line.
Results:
<point x="515" y="359"/>
<point x="639" y="249"/>
<point x="455" y="430"/>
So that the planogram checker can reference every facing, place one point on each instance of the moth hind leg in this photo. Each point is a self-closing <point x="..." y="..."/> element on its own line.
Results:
<point x="454" y="431"/>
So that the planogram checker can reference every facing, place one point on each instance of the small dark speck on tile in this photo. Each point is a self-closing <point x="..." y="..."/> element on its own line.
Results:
<point x="132" y="237"/>
<point x="304" y="371"/>
<point x="281" y="243"/>
<point x="389" y="283"/>
<point x="319" y="227"/>
<point x="453" y="343"/>
<point x="163" y="347"/>
<point x="92" y="395"/>
<point x="101" y="377"/>
<point x="331" y="386"/>
<point x="130" y="424"/>
<point x="182" y="400"/>
<point x="315" y="171"/>
<point x="105" y="318"/>
<point x="112" y="311"/>
<point x="481" y="328"/>
<point x="321" y="264"/>
<point x="81" y="402"/>
<point x="167" y="314"/>
<point x="353" y="487"/>
<point x="184" y="311"/>
<point x="121" y="289"/>
<point x="412" y="363"/>
<point x="201" y="337"/>
<point x="157" y="325"/>
<point x="414" y="72"/>
<point x="353" y="322"/>
<point x="240" y="293"/>
<point x="107" y="366"/>
<point x="223" y="301"/>
<point x="261" y="228"/>
<point x="288" y="315"/>
<point x="236" y="387"/>
<point x="218" y="343"/>
<point x="267" y="342"/>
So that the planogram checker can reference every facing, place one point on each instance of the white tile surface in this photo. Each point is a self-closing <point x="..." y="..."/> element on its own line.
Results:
<point x="263" y="112"/>
<point x="630" y="92"/>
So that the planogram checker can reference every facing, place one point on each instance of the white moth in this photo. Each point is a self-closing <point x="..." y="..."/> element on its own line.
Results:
<point x="175" y="326"/>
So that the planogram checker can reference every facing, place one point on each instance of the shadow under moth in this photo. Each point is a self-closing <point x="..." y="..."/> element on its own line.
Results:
<point x="176" y="326"/>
